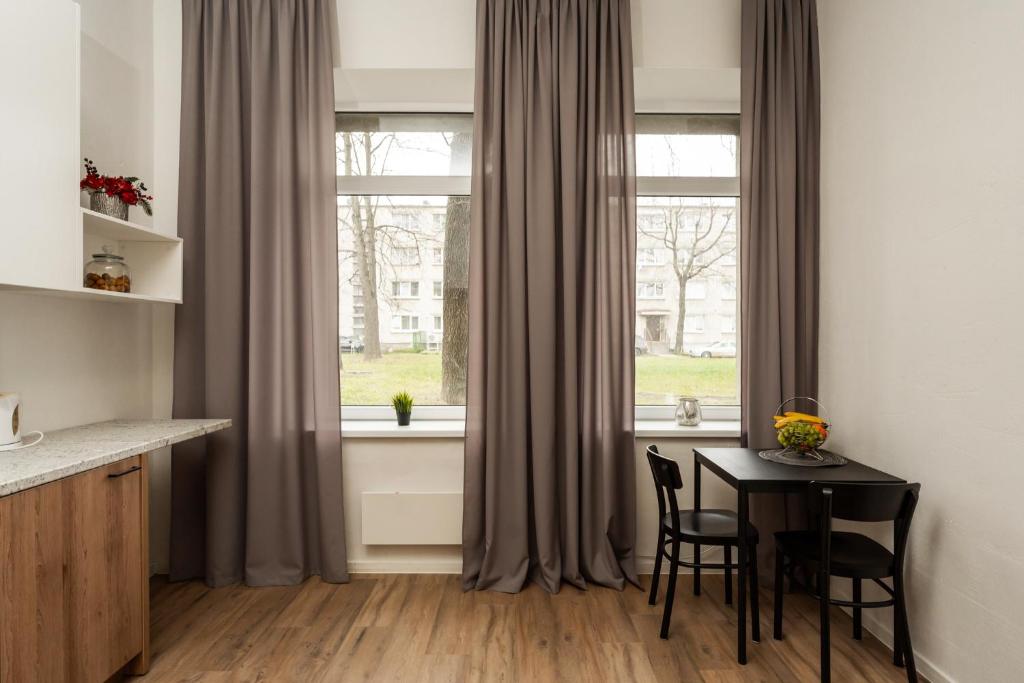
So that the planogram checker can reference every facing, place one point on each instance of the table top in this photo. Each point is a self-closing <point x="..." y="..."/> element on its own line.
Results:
<point x="65" y="452"/>
<point x="743" y="466"/>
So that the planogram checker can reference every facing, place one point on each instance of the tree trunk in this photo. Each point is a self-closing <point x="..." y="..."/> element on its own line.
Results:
<point x="364" y="234"/>
<point x="677" y="347"/>
<point x="455" y="338"/>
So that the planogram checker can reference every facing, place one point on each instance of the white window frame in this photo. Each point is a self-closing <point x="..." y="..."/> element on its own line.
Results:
<point x="686" y="186"/>
<point x="405" y="186"/>
<point x="647" y="186"/>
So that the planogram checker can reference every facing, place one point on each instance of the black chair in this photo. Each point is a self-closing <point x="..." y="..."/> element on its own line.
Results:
<point x="825" y="553"/>
<point x="697" y="527"/>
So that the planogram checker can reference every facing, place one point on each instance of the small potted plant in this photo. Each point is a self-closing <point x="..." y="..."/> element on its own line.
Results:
<point x="402" y="402"/>
<point x="112" y="195"/>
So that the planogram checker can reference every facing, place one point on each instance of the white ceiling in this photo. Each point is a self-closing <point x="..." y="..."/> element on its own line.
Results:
<point x="405" y="55"/>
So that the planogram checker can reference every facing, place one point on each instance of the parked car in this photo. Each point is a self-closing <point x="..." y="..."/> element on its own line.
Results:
<point x="639" y="346"/>
<point x="720" y="349"/>
<point x="350" y="344"/>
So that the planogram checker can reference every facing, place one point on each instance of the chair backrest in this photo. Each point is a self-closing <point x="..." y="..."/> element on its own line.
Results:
<point x="865" y="502"/>
<point x="667" y="481"/>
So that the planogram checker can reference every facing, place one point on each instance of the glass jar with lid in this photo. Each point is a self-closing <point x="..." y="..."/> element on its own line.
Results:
<point x="109" y="272"/>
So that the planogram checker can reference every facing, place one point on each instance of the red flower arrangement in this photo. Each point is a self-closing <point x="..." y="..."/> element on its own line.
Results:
<point x="130" y="190"/>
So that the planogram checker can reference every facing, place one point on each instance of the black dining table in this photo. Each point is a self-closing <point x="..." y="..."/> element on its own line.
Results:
<point x="747" y="472"/>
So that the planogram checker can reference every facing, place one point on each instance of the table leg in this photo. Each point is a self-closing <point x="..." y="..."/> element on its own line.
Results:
<point x="696" y="506"/>
<point x="741" y="570"/>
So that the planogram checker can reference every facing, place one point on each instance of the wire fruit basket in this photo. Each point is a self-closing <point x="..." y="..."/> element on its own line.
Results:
<point x="801" y="436"/>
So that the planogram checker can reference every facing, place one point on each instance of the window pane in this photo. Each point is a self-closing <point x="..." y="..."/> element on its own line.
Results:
<point x="687" y="145"/>
<point x="403" y="312"/>
<point x="686" y="271"/>
<point x="404" y="144"/>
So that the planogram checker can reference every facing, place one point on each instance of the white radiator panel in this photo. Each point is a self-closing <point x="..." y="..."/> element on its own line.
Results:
<point x="412" y="518"/>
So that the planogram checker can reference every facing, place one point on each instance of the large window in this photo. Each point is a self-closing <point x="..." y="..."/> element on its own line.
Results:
<point x="403" y="186"/>
<point x="403" y="231"/>
<point x="687" y="217"/>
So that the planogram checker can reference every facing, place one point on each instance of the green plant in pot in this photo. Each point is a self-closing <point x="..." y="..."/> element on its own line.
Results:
<point x="402" y="402"/>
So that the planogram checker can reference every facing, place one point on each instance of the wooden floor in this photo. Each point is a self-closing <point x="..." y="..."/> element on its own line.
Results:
<point x="424" y="628"/>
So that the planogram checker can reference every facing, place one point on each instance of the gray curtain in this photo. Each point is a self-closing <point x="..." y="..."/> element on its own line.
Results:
<point x="779" y="129"/>
<point x="256" y="338"/>
<point x="549" y="467"/>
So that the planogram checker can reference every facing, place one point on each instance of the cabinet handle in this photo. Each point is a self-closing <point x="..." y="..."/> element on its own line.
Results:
<point x="136" y="468"/>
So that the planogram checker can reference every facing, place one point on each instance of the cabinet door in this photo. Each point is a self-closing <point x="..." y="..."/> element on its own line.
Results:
<point x="40" y="243"/>
<point x="31" y="585"/>
<point x="105" y="607"/>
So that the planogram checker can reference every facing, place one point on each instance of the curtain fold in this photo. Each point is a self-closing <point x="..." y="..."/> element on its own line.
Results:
<point x="780" y="116"/>
<point x="256" y="337"/>
<point x="549" y="454"/>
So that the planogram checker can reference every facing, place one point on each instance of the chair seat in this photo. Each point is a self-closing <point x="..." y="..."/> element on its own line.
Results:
<point x="853" y="555"/>
<point x="708" y="527"/>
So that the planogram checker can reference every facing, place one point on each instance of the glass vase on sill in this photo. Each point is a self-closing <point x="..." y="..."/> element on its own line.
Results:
<point x="108" y="206"/>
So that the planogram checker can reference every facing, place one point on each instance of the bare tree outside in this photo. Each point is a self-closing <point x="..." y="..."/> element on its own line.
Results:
<point x="697" y="238"/>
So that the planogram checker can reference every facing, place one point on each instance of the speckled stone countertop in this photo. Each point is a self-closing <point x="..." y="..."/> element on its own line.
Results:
<point x="65" y="452"/>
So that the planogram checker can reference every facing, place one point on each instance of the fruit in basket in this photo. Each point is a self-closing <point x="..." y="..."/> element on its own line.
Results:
<point x="802" y="436"/>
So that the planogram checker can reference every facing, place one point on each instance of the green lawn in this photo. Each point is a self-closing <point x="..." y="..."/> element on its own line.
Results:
<point x="659" y="379"/>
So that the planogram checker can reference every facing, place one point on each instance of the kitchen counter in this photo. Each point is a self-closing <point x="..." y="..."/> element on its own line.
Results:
<point x="65" y="452"/>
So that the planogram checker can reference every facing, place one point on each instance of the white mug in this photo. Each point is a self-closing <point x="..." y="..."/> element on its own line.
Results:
<point x="10" y="427"/>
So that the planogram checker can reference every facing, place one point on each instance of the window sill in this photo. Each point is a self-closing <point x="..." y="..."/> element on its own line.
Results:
<point x="455" y="429"/>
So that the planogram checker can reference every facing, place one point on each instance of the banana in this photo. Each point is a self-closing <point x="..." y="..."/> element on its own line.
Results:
<point x="804" y="417"/>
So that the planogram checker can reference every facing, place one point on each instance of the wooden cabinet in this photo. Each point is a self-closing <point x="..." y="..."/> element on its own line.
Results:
<point x="74" y="568"/>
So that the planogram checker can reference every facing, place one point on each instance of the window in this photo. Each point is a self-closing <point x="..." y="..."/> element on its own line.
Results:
<point x="729" y="288"/>
<point x="649" y="257"/>
<point x="406" y="256"/>
<point x="687" y="218"/>
<point x="405" y="322"/>
<point x="650" y="290"/>
<point x="405" y="289"/>
<point x="403" y="207"/>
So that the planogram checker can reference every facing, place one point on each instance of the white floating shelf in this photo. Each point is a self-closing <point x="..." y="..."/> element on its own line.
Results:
<point x="89" y="294"/>
<point x="122" y="231"/>
<point x="155" y="259"/>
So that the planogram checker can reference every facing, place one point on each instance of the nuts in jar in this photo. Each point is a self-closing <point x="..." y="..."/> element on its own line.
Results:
<point x="108" y="272"/>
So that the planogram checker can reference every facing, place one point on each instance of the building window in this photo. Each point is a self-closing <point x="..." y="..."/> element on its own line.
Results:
<point x="403" y="207"/>
<point x="694" y="323"/>
<point x="405" y="323"/>
<point x="729" y="288"/>
<point x="650" y="290"/>
<point x="687" y="216"/>
<point x="729" y="324"/>
<point x="405" y="289"/>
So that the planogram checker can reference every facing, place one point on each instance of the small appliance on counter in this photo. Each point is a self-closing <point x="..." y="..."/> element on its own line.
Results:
<point x="10" y="424"/>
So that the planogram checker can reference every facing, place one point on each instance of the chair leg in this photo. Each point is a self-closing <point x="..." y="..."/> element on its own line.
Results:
<point x="826" y="644"/>
<point x="659" y="552"/>
<point x="728" y="574"/>
<point x="858" y="630"/>
<point x="897" y="637"/>
<point x="755" y="610"/>
<point x="906" y="649"/>
<point x="780" y="570"/>
<point x="670" y="595"/>
<point x="696" y="570"/>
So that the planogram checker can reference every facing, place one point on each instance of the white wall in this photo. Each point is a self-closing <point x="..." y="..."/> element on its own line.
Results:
<point x="415" y="56"/>
<point x="435" y="465"/>
<point x="922" y="238"/>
